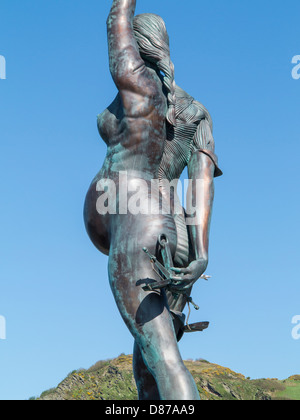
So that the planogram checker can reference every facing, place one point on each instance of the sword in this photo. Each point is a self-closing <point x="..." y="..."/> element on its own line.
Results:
<point x="165" y="270"/>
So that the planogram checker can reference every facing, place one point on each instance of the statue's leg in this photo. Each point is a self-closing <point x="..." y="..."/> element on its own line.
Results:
<point x="147" y="316"/>
<point x="145" y="382"/>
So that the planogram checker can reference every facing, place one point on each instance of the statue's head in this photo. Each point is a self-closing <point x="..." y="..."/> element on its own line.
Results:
<point x="153" y="42"/>
<point x="151" y="34"/>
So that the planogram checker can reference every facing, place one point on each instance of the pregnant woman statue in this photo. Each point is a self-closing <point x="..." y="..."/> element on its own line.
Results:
<point x="153" y="130"/>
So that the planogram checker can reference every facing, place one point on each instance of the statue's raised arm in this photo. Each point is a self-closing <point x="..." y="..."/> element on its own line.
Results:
<point x="124" y="55"/>
<point x="134" y="45"/>
<point x="127" y="68"/>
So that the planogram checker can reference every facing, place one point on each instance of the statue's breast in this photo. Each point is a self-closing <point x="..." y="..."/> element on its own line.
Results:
<point x="109" y="121"/>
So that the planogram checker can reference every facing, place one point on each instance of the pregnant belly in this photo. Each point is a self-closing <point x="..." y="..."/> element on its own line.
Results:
<point x="131" y="206"/>
<point x="97" y="225"/>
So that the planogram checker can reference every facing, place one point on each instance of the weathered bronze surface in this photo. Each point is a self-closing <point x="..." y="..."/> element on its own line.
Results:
<point x="153" y="130"/>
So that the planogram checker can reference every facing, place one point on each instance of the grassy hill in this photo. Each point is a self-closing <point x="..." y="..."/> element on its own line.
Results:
<point x="113" y="380"/>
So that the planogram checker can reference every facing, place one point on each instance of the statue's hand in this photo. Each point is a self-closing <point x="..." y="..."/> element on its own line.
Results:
<point x="188" y="276"/>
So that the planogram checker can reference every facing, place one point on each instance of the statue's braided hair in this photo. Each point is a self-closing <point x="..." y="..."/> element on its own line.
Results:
<point x="153" y="41"/>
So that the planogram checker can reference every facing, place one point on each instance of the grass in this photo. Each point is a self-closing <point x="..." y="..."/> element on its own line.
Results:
<point x="291" y="392"/>
<point x="113" y="380"/>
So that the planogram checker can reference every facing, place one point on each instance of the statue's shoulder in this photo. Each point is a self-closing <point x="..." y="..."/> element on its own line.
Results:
<point x="182" y="95"/>
<point x="183" y="101"/>
<point x="188" y="108"/>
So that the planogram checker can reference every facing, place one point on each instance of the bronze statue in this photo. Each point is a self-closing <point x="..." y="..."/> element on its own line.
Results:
<point x="153" y="130"/>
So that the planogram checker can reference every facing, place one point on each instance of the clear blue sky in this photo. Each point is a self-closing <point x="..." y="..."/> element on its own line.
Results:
<point x="235" y="57"/>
